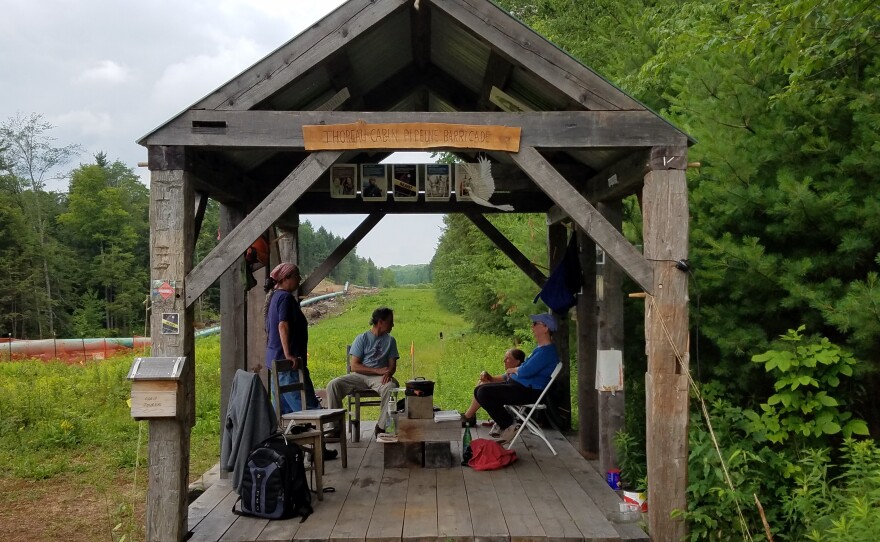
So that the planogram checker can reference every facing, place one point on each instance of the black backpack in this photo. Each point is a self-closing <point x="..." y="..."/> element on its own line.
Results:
<point x="274" y="484"/>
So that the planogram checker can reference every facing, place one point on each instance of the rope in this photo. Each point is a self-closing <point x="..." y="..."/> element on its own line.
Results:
<point x="684" y="367"/>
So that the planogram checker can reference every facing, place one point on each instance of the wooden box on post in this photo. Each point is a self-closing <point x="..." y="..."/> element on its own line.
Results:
<point x="156" y="387"/>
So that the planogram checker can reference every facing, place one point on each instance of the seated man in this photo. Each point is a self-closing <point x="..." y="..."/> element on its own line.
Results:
<point x="527" y="382"/>
<point x="513" y="358"/>
<point x="373" y="362"/>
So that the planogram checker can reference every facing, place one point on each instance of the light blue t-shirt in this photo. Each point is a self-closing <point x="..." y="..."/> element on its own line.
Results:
<point x="374" y="351"/>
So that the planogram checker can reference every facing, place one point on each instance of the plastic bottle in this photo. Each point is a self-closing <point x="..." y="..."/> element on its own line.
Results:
<point x="392" y="417"/>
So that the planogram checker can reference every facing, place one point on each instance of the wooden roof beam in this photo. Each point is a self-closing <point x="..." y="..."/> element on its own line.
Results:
<point x="541" y="129"/>
<point x="301" y="54"/>
<point x="420" y="23"/>
<point x="515" y="42"/>
<point x="266" y="213"/>
<point x="625" y="177"/>
<point x="341" y="252"/>
<point x="318" y="204"/>
<point x="508" y="248"/>
<point x="496" y="75"/>
<point x="339" y="71"/>
<point x="586" y="216"/>
<point x="219" y="179"/>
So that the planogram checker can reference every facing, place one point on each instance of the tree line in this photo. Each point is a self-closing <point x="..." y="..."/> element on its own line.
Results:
<point x="77" y="263"/>
<point x="781" y="98"/>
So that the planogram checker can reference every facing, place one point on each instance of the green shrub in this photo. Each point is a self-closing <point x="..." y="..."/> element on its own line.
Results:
<point x="780" y="456"/>
<point x="841" y="508"/>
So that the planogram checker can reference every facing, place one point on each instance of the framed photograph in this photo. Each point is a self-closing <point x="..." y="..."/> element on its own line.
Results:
<point x="405" y="179"/>
<point x="374" y="182"/>
<point x="170" y="323"/>
<point x="343" y="180"/>
<point x="462" y="183"/>
<point x="437" y="187"/>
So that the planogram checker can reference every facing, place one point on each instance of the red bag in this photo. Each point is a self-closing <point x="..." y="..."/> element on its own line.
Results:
<point x="489" y="455"/>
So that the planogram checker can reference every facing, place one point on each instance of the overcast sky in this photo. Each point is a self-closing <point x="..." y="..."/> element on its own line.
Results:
<point x="107" y="72"/>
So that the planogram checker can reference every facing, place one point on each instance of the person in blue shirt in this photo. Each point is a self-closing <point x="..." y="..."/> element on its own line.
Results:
<point x="288" y="333"/>
<point x="526" y="382"/>
<point x="374" y="358"/>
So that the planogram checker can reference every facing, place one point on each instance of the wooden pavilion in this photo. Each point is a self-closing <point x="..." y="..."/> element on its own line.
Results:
<point x="465" y="74"/>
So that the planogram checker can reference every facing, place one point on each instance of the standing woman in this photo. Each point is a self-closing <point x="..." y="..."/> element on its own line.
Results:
<point x="288" y="333"/>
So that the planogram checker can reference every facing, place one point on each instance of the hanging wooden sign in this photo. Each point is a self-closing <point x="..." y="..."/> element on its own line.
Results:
<point x="411" y="135"/>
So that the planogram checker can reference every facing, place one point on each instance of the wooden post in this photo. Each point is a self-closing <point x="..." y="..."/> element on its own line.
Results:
<point x="255" y="301"/>
<point x="665" y="213"/>
<point x="288" y="244"/>
<point x="233" y="319"/>
<point x="556" y="245"/>
<point x="171" y="223"/>
<point x="610" y="337"/>
<point x="588" y="404"/>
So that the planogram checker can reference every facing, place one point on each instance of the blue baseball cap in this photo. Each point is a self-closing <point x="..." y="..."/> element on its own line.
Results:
<point x="546" y="319"/>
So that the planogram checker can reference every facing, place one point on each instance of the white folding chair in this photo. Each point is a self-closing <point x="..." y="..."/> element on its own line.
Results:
<point x="523" y="413"/>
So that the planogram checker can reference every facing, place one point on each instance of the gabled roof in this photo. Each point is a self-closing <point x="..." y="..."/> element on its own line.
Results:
<point x="411" y="56"/>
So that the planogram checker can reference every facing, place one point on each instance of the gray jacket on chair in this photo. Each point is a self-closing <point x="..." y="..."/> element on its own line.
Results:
<point x="250" y="419"/>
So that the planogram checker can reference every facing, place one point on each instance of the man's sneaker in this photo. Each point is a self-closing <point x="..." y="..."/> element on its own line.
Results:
<point x="507" y="434"/>
<point x="378" y="431"/>
<point x="330" y="454"/>
<point x="495" y="432"/>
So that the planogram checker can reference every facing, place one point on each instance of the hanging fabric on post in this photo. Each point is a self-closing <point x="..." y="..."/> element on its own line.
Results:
<point x="560" y="291"/>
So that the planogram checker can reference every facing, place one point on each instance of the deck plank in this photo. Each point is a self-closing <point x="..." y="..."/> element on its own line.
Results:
<point x="354" y="518"/>
<point x="586" y="515"/>
<point x="244" y="529"/>
<point x="595" y="485"/>
<point x="386" y="524"/>
<point x="488" y="519"/>
<point x="420" y="517"/>
<point x="558" y="525"/>
<point x="218" y="520"/>
<point x="207" y="501"/>
<point x="521" y="519"/>
<point x="320" y="524"/>
<point x="453" y="513"/>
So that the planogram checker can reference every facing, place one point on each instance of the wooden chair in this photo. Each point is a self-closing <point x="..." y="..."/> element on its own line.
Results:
<point x="318" y="438"/>
<point x="357" y="399"/>
<point x="523" y="413"/>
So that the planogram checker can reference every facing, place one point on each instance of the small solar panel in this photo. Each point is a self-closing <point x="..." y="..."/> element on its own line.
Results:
<point x="156" y="368"/>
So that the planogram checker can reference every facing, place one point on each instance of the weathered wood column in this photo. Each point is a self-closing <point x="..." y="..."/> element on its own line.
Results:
<point x="233" y="318"/>
<point x="556" y="245"/>
<point x="288" y="244"/>
<point x="588" y="404"/>
<point x="665" y="213"/>
<point x="610" y="337"/>
<point x="171" y="250"/>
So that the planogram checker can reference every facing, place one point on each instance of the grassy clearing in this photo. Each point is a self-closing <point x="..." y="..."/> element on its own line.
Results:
<point x="71" y="448"/>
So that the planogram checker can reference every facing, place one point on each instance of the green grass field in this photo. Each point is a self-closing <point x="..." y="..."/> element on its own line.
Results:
<point x="70" y="446"/>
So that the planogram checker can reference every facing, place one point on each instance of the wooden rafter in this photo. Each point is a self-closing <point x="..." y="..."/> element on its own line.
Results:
<point x="586" y="216"/>
<point x="508" y="248"/>
<point x="341" y="252"/>
<point x="301" y="54"/>
<point x="516" y="42"/>
<point x="276" y="203"/>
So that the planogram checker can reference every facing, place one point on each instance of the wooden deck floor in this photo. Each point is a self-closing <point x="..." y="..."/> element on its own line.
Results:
<point x="538" y="498"/>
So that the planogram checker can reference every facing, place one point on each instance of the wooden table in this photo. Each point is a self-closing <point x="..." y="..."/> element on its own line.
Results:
<point x="423" y="443"/>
